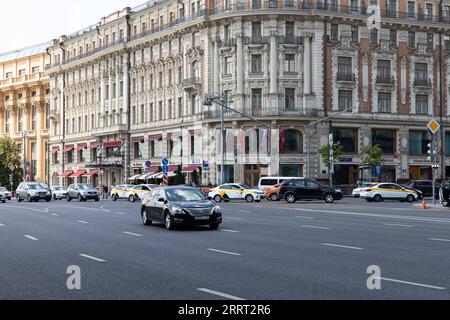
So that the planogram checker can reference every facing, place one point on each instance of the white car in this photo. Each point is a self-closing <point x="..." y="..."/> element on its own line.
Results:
<point x="235" y="191"/>
<point x="6" y="194"/>
<point x="389" y="191"/>
<point x="357" y="192"/>
<point x="58" y="192"/>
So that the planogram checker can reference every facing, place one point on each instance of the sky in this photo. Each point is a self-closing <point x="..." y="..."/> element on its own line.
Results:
<point x="27" y="22"/>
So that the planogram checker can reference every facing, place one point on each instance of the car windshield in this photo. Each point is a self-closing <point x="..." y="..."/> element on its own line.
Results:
<point x="2" y="189"/>
<point x="58" y="188"/>
<point x="184" y="195"/>
<point x="35" y="187"/>
<point x="244" y="186"/>
<point x="85" y="187"/>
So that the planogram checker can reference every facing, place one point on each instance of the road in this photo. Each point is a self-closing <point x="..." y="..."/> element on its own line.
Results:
<point x="267" y="250"/>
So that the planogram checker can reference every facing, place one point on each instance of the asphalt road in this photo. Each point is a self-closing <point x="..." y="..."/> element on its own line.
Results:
<point x="267" y="250"/>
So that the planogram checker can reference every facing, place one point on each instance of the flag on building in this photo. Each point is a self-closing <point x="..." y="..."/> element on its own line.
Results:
<point x="241" y="140"/>
<point x="282" y="141"/>
<point x="264" y="141"/>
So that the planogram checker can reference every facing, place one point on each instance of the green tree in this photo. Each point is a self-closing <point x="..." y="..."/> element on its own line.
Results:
<point x="373" y="156"/>
<point x="10" y="162"/>
<point x="338" y="150"/>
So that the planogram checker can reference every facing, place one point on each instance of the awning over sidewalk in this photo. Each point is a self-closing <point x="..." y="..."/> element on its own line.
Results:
<point x="66" y="174"/>
<point x="69" y="148"/>
<point x="91" y="173"/>
<point x="81" y="147"/>
<point x="135" y="177"/>
<point x="78" y="174"/>
<point x="113" y="144"/>
<point x="55" y="149"/>
<point x="95" y="145"/>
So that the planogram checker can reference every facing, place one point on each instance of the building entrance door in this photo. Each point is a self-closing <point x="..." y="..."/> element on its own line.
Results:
<point x="252" y="174"/>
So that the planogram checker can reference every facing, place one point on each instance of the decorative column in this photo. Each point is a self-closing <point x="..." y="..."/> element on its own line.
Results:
<point x="273" y="70"/>
<point x="110" y="92"/>
<point x="118" y="87"/>
<point x="307" y="66"/>
<point x="40" y="147"/>
<point x="102" y="96"/>
<point x="240" y="64"/>
<point x="216" y="66"/>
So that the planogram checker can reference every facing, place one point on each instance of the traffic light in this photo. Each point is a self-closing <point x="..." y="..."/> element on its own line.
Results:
<point x="429" y="151"/>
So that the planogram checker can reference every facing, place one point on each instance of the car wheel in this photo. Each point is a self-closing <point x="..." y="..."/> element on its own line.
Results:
<point x="48" y="199"/>
<point x="80" y="198"/>
<point x="18" y="198"/>
<point x="114" y="197"/>
<point x="168" y="222"/>
<point x="3" y="201"/>
<point x="218" y="198"/>
<point x="410" y="198"/>
<point x="214" y="226"/>
<point x="145" y="220"/>
<point x="369" y="200"/>
<point x="29" y="198"/>
<point x="69" y="198"/>
<point x="445" y="203"/>
<point x="291" y="198"/>
<point x="274" y="197"/>
<point x="329" y="198"/>
<point x="131" y="198"/>
<point x="378" y="198"/>
<point x="54" y="197"/>
<point x="97" y="199"/>
<point x="249" y="198"/>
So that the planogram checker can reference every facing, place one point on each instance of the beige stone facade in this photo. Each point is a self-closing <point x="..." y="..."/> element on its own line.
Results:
<point x="24" y="104"/>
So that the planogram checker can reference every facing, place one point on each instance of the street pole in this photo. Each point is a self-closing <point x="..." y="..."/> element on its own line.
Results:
<point x="222" y="129"/>
<point x="433" y="166"/>
<point x="441" y="102"/>
<point x="24" y="134"/>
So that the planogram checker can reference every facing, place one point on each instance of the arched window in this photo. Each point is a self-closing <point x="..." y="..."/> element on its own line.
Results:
<point x="247" y="145"/>
<point x="291" y="142"/>
<point x="196" y="69"/>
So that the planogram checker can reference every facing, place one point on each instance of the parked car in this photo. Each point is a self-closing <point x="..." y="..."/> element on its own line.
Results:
<point x="425" y="187"/>
<point x="5" y="193"/>
<point x="273" y="181"/>
<point x="357" y="192"/>
<point x="58" y="192"/>
<point x="2" y="198"/>
<point x="389" y="191"/>
<point x="140" y="191"/>
<point x="32" y="191"/>
<point x="235" y="191"/>
<point x="271" y="193"/>
<point x="121" y="192"/>
<point x="180" y="205"/>
<point x="308" y="189"/>
<point x="82" y="192"/>
<point x="444" y="194"/>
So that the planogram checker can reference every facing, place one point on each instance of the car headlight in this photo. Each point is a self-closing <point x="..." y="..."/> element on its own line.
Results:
<point x="217" y="209"/>
<point x="338" y="190"/>
<point x="177" y="210"/>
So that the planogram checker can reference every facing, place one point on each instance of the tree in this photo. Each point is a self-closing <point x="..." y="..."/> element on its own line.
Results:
<point x="338" y="150"/>
<point x="10" y="162"/>
<point x="373" y="156"/>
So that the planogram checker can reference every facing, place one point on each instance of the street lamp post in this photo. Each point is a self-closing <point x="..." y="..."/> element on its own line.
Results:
<point x="24" y="136"/>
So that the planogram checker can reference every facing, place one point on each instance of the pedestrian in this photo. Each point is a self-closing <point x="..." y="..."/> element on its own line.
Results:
<point x="105" y="194"/>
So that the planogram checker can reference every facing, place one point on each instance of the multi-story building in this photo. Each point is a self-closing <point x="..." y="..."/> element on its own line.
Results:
<point x="24" y="104"/>
<point x="130" y="88"/>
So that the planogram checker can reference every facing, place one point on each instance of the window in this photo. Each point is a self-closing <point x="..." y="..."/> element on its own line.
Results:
<point x="142" y="118"/>
<point x="429" y="12"/>
<point x="384" y="70"/>
<point x="348" y="139"/>
<point x="355" y="34"/>
<point x="256" y="63"/>
<point x="385" y="139"/>
<point x="393" y="37"/>
<point x="289" y="99"/>
<point x="133" y="115"/>
<point x="421" y="104"/>
<point x="418" y="141"/>
<point x="384" y="102"/>
<point x="345" y="68"/>
<point x="228" y="66"/>
<point x="392" y="8"/>
<point x="374" y="36"/>
<point x="411" y="9"/>
<point x="430" y="40"/>
<point x="170" y="108"/>
<point x="256" y="4"/>
<point x="137" y="150"/>
<point x="256" y="30"/>
<point x="257" y="99"/>
<point x="289" y="63"/>
<point x="421" y="71"/>
<point x="411" y="39"/>
<point x="160" y="80"/>
<point x="353" y="5"/>
<point x="290" y="29"/>
<point x="22" y="72"/>
<point x="334" y="36"/>
<point x="345" y="100"/>
<point x="180" y="107"/>
<point x="447" y="143"/>
<point x="291" y="142"/>
<point x="35" y="69"/>
<point x="169" y="77"/>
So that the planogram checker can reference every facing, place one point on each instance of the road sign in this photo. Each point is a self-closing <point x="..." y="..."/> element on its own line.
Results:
<point x="433" y="126"/>
<point x="165" y="169"/>
<point x="164" y="162"/>
<point x="148" y="164"/>
<point x="205" y="164"/>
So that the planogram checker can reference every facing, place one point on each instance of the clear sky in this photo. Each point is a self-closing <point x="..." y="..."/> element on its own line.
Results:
<point x="28" y="22"/>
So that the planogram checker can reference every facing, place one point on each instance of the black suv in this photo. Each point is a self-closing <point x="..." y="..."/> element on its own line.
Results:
<point x="307" y="189"/>
<point x="444" y="193"/>
<point x="425" y="187"/>
<point x="180" y="205"/>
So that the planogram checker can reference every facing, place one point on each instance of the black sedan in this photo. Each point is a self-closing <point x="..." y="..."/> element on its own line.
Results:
<point x="180" y="206"/>
<point x="307" y="189"/>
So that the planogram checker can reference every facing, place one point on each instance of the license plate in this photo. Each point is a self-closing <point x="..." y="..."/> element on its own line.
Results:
<point x="202" y="218"/>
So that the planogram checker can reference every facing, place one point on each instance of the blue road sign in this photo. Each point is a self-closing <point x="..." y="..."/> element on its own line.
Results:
<point x="148" y="164"/>
<point x="165" y="169"/>
<point x="165" y="162"/>
<point x="205" y="164"/>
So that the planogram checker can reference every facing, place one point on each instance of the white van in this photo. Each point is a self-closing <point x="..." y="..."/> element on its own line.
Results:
<point x="273" y="181"/>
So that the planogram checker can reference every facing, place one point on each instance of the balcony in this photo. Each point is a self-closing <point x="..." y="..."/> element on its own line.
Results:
<point x="17" y="135"/>
<point x="422" y="83"/>
<point x="265" y="112"/>
<point x="44" y="133"/>
<point x="345" y="77"/>
<point x="192" y="83"/>
<point x="256" y="40"/>
<point x="227" y="43"/>
<point x="111" y="129"/>
<point x="294" y="40"/>
<point x="385" y="80"/>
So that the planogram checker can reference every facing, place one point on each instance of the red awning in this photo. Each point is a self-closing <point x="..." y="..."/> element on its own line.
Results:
<point x="78" y="174"/>
<point x="81" y="147"/>
<point x="113" y="144"/>
<point x="191" y="168"/>
<point x="154" y="169"/>
<point x="138" y="139"/>
<point x="173" y="168"/>
<point x="66" y="174"/>
<point x="70" y="148"/>
<point x="91" y="173"/>
<point x="55" y="149"/>
<point x="154" y="137"/>
<point x="95" y="145"/>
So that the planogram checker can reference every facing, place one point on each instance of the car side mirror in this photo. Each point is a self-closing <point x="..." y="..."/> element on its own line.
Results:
<point x="161" y="200"/>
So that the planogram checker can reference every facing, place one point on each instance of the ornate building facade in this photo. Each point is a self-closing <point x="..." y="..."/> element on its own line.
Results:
<point x="24" y="104"/>
<point x="130" y="89"/>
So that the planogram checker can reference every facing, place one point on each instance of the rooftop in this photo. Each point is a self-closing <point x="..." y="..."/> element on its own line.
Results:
<point x="24" y="52"/>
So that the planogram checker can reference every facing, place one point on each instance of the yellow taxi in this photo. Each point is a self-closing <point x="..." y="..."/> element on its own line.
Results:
<point x="121" y="191"/>
<point x="140" y="191"/>
<point x="235" y="191"/>
<point x="388" y="191"/>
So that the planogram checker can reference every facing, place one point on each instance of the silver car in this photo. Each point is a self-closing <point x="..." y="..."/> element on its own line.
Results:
<point x="82" y="192"/>
<point x="58" y="192"/>
<point x="5" y="193"/>
<point x="32" y="191"/>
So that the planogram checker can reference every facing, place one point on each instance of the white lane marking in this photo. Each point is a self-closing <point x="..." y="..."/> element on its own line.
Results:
<point x="122" y="213"/>
<point x="413" y="284"/>
<point x="2" y="225"/>
<point x="398" y="225"/>
<point x="132" y="234"/>
<point x="83" y="222"/>
<point x="232" y="218"/>
<point x="315" y="227"/>
<point x="83" y="208"/>
<point x="55" y="214"/>
<point x="221" y="294"/>
<point x="231" y="231"/>
<point x="441" y="240"/>
<point x="31" y="209"/>
<point x="244" y="211"/>
<point x="300" y="217"/>
<point x="91" y="258"/>
<point x="426" y="219"/>
<point x="341" y="246"/>
<point x="225" y="252"/>
<point x="104" y="210"/>
<point x="31" y="238"/>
